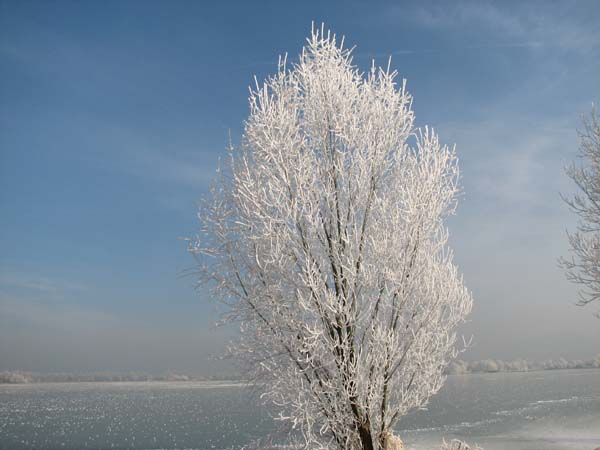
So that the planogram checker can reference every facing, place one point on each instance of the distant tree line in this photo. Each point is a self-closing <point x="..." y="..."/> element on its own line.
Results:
<point x="459" y="367"/>
<point x="15" y="377"/>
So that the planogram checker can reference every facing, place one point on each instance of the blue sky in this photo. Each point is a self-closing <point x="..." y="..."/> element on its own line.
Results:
<point x="113" y="116"/>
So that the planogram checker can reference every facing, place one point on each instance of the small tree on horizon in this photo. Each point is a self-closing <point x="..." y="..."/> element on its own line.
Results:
<point x="325" y="239"/>
<point x="583" y="266"/>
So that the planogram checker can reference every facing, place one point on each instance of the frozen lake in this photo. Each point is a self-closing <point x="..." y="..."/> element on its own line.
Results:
<point x="548" y="410"/>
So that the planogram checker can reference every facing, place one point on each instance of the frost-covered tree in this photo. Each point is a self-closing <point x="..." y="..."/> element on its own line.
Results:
<point x="325" y="239"/>
<point x="583" y="265"/>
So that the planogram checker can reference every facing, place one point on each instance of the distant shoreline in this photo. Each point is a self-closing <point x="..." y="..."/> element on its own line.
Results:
<point x="556" y="369"/>
<point x="23" y="378"/>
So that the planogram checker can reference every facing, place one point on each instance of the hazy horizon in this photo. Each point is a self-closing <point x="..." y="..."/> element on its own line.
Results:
<point x="114" y="117"/>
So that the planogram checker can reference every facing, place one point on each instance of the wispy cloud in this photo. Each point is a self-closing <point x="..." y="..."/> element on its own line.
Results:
<point x="522" y="161"/>
<point x="53" y="315"/>
<point x="529" y="24"/>
<point x="36" y="283"/>
<point x="564" y="30"/>
<point x="149" y="163"/>
<point x="111" y="144"/>
<point x="45" y="301"/>
<point x="127" y="150"/>
<point x="462" y="48"/>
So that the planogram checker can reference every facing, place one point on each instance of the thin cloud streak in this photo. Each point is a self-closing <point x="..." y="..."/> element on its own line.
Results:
<point x="38" y="283"/>
<point x="52" y="315"/>
<point x="526" y="22"/>
<point x="455" y="49"/>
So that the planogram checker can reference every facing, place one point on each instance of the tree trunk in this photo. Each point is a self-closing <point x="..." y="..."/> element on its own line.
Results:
<point x="364" y="431"/>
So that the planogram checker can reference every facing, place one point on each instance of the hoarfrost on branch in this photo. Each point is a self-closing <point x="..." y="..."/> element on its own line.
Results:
<point x="583" y="267"/>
